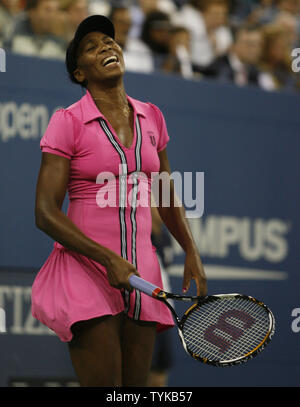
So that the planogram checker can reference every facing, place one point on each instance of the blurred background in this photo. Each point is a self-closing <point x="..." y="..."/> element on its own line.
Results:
<point x="239" y="41"/>
<point x="225" y="75"/>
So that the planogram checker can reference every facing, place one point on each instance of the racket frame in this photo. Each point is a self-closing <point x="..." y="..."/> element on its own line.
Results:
<point x="241" y="359"/>
<point x="161" y="295"/>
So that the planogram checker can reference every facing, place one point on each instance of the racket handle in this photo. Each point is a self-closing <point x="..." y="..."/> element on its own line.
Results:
<point x="143" y="285"/>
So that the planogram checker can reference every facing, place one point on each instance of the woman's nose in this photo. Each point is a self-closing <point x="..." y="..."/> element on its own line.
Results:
<point x="104" y="48"/>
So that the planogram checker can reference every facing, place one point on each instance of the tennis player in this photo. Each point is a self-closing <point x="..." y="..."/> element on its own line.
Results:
<point x="82" y="291"/>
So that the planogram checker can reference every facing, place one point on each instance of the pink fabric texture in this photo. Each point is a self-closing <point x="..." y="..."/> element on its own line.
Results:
<point x="70" y="287"/>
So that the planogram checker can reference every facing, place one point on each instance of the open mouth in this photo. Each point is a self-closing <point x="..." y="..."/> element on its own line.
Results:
<point x="110" y="60"/>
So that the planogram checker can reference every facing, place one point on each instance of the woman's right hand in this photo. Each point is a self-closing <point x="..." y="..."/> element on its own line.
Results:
<point x="118" y="272"/>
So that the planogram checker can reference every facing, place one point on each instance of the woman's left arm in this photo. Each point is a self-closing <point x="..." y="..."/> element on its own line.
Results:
<point x="175" y="220"/>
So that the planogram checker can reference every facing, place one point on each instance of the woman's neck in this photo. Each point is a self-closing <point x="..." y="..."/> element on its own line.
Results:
<point x="106" y="98"/>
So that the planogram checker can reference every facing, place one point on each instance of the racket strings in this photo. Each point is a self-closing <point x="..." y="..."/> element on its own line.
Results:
<point x="226" y="329"/>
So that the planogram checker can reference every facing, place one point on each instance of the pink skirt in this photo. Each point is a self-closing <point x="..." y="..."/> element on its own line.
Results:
<point x="71" y="288"/>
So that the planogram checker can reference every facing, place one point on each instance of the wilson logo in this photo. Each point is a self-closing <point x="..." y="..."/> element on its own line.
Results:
<point x="152" y="138"/>
<point x="215" y="333"/>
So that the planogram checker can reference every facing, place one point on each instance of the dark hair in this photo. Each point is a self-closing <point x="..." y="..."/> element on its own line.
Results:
<point x="245" y="27"/>
<point x="32" y="4"/>
<point x="179" y="28"/>
<point x="71" y="64"/>
<point x="154" y="20"/>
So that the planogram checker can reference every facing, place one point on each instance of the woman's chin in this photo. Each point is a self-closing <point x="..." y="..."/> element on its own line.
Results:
<point x="113" y="74"/>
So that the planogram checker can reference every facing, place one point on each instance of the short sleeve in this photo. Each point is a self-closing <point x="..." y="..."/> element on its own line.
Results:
<point x="162" y="128"/>
<point x="59" y="136"/>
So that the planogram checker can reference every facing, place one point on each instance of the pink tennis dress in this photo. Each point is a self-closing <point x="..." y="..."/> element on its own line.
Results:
<point x="108" y="188"/>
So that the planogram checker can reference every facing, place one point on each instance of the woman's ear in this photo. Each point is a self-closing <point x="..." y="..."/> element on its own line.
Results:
<point x="79" y="75"/>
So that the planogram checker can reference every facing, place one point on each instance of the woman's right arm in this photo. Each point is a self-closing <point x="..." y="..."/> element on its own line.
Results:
<point x="50" y="193"/>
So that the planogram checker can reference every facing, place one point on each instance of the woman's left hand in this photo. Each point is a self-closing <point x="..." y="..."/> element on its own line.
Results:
<point x="193" y="269"/>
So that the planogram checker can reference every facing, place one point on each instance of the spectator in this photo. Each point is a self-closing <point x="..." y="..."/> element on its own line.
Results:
<point x="137" y="55"/>
<point x="72" y="12"/>
<point x="276" y="61"/>
<point x="288" y="23"/>
<point x="143" y="8"/>
<point x="156" y="35"/>
<point x="179" y="57"/>
<point x="207" y="23"/>
<point x="8" y="11"/>
<point x="32" y="33"/>
<point x="240" y="64"/>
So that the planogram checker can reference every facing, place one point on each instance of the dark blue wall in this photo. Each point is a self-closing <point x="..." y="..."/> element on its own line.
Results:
<point x="245" y="141"/>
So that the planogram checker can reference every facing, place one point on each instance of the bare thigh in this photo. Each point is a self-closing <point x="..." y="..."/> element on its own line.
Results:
<point x="137" y="350"/>
<point x="112" y="351"/>
<point x="96" y="351"/>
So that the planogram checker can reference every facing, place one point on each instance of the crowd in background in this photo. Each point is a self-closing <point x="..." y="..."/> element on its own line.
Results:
<point x="246" y="42"/>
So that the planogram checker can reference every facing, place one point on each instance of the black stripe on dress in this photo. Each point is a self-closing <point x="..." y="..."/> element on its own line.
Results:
<point x="122" y="197"/>
<point x="137" y="305"/>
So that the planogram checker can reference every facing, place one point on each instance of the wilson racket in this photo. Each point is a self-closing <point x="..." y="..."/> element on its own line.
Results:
<point x="219" y="330"/>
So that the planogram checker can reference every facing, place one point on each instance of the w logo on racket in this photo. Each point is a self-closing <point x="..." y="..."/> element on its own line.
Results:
<point x="219" y="333"/>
